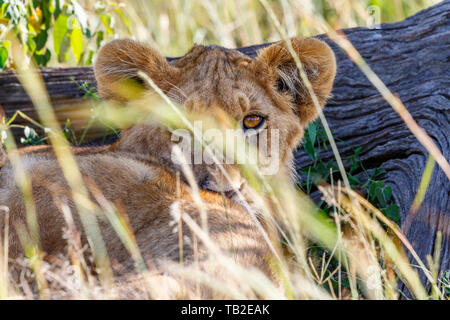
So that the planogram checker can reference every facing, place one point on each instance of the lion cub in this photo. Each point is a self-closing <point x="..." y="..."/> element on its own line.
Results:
<point x="137" y="172"/>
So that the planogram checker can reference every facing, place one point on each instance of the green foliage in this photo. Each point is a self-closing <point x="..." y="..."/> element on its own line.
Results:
<point x="39" y="23"/>
<point x="31" y="138"/>
<point x="364" y="181"/>
<point x="96" y="115"/>
<point x="4" y="46"/>
<point x="70" y="32"/>
<point x="445" y="284"/>
<point x="87" y="88"/>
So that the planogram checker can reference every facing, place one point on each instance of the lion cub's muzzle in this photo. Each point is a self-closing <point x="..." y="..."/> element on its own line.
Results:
<point x="228" y="182"/>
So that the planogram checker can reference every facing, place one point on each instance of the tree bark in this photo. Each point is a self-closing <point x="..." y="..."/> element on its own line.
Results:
<point x="411" y="57"/>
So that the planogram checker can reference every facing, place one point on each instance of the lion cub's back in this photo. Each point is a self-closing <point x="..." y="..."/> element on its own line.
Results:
<point x="116" y="176"/>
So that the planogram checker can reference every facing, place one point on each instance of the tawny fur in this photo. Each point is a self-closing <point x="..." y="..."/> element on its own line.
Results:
<point x="136" y="172"/>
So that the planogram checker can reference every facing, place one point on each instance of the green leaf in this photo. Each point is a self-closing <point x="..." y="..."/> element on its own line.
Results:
<point x="100" y="36"/>
<point x="58" y="6"/>
<point x="3" y="55"/>
<point x="387" y="193"/>
<point x="380" y="197"/>
<point x="309" y="149"/>
<point x="372" y="188"/>
<point x="106" y="20"/>
<point x="312" y="132"/>
<point x="42" y="59"/>
<point x="31" y="44"/>
<point x="76" y="41"/>
<point x="3" y="9"/>
<point x="59" y="31"/>
<point x="353" y="180"/>
<point x="88" y="61"/>
<point x="392" y="212"/>
<point x="47" y="14"/>
<point x="41" y="40"/>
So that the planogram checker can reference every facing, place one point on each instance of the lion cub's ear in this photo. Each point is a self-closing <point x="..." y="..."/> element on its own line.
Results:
<point x="117" y="66"/>
<point x="319" y="63"/>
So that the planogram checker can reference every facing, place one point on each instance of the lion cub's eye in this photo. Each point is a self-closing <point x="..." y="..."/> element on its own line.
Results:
<point x="253" y="121"/>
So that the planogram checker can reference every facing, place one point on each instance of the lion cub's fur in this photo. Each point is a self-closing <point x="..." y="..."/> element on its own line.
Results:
<point x="136" y="172"/>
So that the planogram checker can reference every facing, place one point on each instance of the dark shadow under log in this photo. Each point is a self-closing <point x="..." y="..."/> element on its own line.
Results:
<point x="411" y="57"/>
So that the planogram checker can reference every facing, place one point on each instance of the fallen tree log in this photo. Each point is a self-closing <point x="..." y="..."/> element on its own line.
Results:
<point x="411" y="57"/>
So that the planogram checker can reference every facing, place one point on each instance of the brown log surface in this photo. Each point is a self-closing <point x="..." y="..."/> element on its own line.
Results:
<point x="411" y="57"/>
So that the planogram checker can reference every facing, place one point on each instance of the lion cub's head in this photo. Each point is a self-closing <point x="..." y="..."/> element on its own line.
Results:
<point x="263" y="95"/>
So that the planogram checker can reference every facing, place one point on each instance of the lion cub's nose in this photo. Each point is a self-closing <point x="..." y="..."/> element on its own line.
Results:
<point x="219" y="182"/>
